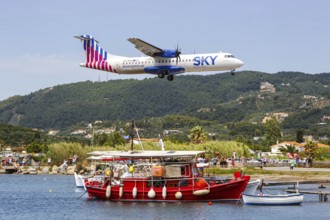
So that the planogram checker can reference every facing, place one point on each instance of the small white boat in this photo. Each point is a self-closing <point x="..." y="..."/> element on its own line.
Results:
<point x="280" y="199"/>
<point x="80" y="182"/>
<point x="252" y="186"/>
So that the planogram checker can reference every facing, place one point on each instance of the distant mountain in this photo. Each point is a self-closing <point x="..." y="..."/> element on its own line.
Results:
<point x="300" y="100"/>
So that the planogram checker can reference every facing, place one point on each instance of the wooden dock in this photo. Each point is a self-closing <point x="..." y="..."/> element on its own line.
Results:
<point x="323" y="195"/>
<point x="295" y="182"/>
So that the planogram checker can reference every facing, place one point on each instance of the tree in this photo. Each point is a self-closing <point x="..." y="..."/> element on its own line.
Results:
<point x="115" y="139"/>
<point x="34" y="147"/>
<point x="300" y="136"/>
<point x="289" y="149"/>
<point x="197" y="135"/>
<point x="272" y="131"/>
<point x="310" y="149"/>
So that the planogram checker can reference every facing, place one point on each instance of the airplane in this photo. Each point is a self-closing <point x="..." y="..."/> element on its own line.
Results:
<point x="158" y="61"/>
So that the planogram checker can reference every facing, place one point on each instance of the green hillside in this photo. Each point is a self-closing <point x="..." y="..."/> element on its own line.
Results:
<point x="210" y="100"/>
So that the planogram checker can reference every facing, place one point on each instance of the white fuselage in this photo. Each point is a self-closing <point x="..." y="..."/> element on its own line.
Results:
<point x="190" y="63"/>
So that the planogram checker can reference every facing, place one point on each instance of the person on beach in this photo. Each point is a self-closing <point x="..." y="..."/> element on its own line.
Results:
<point x="74" y="159"/>
<point x="304" y="162"/>
<point x="297" y="159"/>
<point x="214" y="161"/>
<point x="49" y="160"/>
<point x="292" y="164"/>
<point x="233" y="161"/>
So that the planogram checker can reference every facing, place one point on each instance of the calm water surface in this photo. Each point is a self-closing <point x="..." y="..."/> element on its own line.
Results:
<point x="55" y="197"/>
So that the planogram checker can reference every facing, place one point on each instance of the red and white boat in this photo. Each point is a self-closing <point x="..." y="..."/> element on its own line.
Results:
<point x="166" y="176"/>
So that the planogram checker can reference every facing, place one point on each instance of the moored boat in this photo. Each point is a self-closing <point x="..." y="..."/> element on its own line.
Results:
<point x="280" y="199"/>
<point x="252" y="186"/>
<point x="79" y="180"/>
<point x="161" y="176"/>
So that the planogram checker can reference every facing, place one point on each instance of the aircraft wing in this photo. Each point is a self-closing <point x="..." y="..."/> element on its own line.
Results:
<point x="144" y="47"/>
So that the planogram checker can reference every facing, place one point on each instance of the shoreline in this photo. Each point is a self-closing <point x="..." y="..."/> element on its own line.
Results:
<point x="278" y="174"/>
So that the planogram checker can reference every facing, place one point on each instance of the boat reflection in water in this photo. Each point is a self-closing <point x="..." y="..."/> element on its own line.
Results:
<point x="161" y="176"/>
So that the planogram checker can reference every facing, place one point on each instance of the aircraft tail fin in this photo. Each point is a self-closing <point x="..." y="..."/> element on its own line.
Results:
<point x="96" y="56"/>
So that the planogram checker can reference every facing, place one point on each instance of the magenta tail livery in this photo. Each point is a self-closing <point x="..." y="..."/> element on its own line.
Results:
<point x="158" y="61"/>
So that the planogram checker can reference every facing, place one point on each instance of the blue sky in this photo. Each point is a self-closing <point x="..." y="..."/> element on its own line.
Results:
<point x="38" y="49"/>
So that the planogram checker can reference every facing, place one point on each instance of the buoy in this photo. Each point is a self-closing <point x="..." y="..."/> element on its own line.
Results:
<point x="108" y="172"/>
<point x="108" y="191"/>
<point x="50" y="190"/>
<point x="164" y="192"/>
<point x="90" y="196"/>
<point x="151" y="193"/>
<point x="200" y="182"/>
<point x="121" y="191"/>
<point x="178" y="195"/>
<point x="210" y="203"/>
<point x="134" y="192"/>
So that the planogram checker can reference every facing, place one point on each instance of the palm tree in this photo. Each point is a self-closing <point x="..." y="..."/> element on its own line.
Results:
<point x="197" y="135"/>
<point x="289" y="149"/>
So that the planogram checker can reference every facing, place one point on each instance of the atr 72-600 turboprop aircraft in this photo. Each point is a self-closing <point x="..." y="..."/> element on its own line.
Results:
<point x="158" y="61"/>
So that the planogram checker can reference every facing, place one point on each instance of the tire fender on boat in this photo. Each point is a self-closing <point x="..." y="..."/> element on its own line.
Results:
<point x="178" y="195"/>
<point x="151" y="193"/>
<point x="134" y="192"/>
<point x="164" y="192"/>
<point x="201" y="192"/>
<point x="108" y="191"/>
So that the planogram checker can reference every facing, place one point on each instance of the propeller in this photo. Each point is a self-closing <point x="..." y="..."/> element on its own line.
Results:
<point x="177" y="54"/>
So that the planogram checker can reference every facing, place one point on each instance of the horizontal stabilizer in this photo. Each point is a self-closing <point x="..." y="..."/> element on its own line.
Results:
<point x="86" y="37"/>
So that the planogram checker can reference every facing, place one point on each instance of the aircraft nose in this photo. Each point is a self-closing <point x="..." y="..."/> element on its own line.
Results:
<point x="239" y="63"/>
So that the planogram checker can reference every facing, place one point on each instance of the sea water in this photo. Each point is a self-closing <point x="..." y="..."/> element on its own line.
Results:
<point x="56" y="197"/>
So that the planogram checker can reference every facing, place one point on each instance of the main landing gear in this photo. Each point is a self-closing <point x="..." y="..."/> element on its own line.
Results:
<point x="170" y="77"/>
<point x="232" y="72"/>
<point x="165" y="72"/>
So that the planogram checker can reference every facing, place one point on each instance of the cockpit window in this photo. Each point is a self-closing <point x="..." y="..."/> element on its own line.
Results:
<point x="229" y="56"/>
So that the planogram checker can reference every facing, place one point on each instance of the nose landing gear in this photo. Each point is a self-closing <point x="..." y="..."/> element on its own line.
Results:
<point x="232" y="72"/>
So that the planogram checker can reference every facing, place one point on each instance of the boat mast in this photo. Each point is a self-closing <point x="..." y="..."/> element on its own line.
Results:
<point x="132" y="135"/>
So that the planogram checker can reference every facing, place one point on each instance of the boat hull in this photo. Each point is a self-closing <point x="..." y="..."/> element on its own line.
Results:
<point x="230" y="191"/>
<point x="79" y="180"/>
<point x="290" y="199"/>
<point x="252" y="186"/>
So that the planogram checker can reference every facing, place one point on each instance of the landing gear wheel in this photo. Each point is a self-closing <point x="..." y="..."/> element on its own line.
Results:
<point x="170" y="77"/>
<point x="161" y="75"/>
<point x="232" y="72"/>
